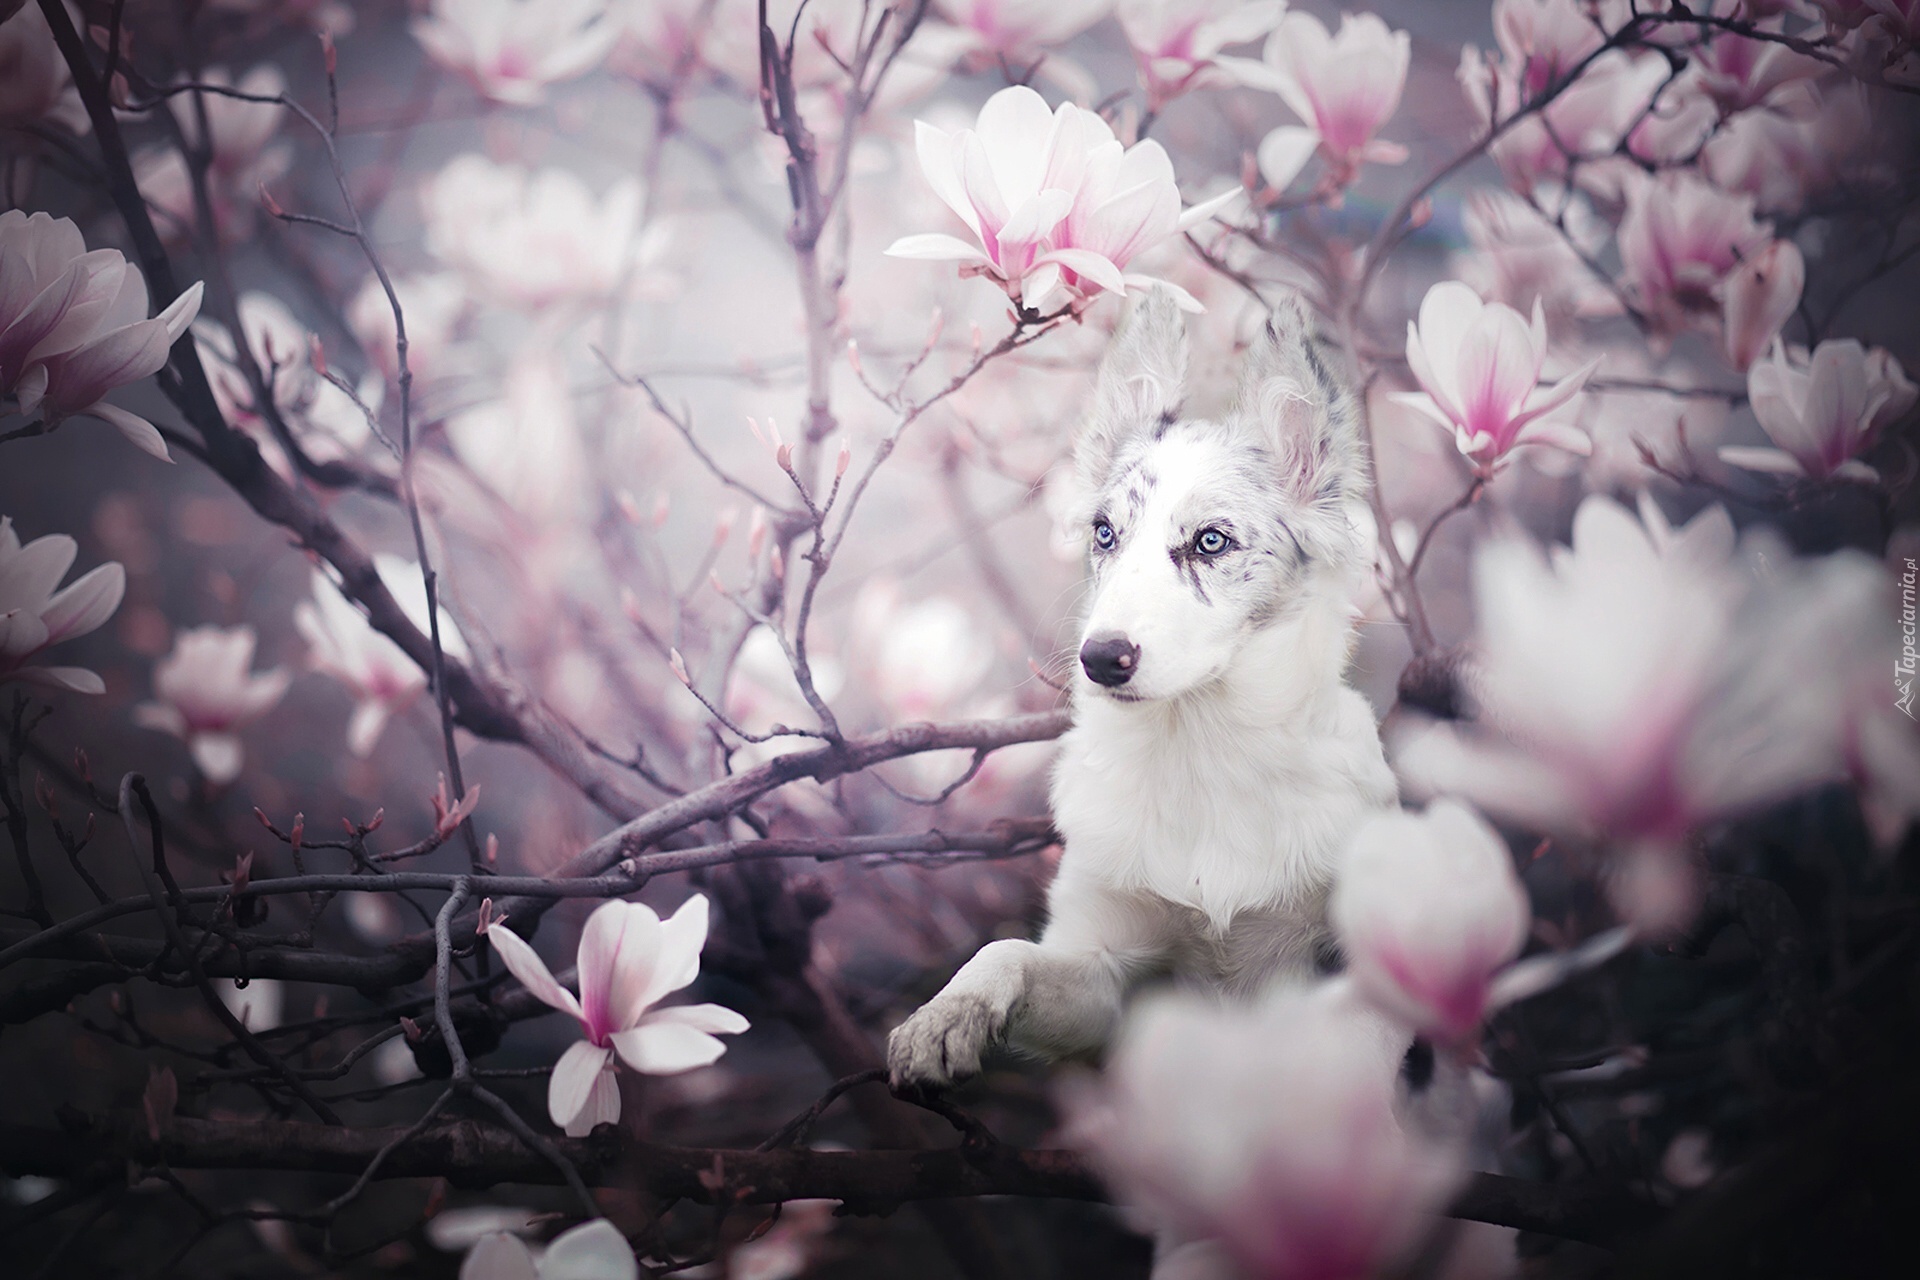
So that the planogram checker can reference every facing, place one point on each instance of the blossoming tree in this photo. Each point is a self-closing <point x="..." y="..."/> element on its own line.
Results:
<point x="595" y="542"/>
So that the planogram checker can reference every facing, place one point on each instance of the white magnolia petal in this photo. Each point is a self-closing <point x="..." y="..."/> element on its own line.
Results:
<point x="714" y="1019"/>
<point x="591" y="1251"/>
<point x="1776" y="462"/>
<point x="1284" y="153"/>
<point x="659" y="1047"/>
<point x="499" y="1256"/>
<point x="571" y="1087"/>
<point x="935" y="246"/>
<point x="143" y="435"/>
<point x="524" y="963"/>
<point x="217" y="755"/>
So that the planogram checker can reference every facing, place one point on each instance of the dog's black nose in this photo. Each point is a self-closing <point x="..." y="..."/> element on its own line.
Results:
<point x="1110" y="659"/>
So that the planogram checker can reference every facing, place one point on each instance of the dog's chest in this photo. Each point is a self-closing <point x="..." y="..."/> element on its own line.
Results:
<point x="1223" y="824"/>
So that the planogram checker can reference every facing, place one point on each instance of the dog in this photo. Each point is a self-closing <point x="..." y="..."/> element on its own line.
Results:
<point x="1217" y="760"/>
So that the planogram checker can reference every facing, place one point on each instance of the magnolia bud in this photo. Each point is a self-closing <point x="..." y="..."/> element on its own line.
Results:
<point x="845" y="461"/>
<point x="678" y="666"/>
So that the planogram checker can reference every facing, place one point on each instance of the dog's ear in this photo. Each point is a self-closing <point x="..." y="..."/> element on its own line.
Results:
<point x="1139" y="389"/>
<point x="1296" y="395"/>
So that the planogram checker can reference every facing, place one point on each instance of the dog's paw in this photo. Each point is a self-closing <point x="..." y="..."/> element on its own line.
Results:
<point x="943" y="1042"/>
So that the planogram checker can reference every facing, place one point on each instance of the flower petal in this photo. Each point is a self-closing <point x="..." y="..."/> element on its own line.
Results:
<point x="619" y="954"/>
<point x="1776" y="462"/>
<point x="499" y="1256"/>
<point x="714" y="1019"/>
<point x="591" y="1251"/>
<point x="1285" y="152"/>
<point x="524" y="963"/>
<point x="571" y="1089"/>
<point x="934" y="246"/>
<point x="143" y="435"/>
<point x="658" y="1047"/>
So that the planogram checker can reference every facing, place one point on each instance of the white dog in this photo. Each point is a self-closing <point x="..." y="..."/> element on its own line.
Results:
<point x="1217" y="761"/>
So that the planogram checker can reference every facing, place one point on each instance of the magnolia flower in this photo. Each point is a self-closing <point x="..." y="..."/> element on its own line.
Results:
<point x="591" y="1251"/>
<point x="1479" y="366"/>
<point x="1693" y="702"/>
<point x="1680" y="239"/>
<point x="1019" y="29"/>
<point x="205" y="691"/>
<point x="1521" y="258"/>
<point x="658" y="41"/>
<point x="534" y="239"/>
<point x="1757" y="297"/>
<point x="1428" y="909"/>
<point x="1781" y="158"/>
<point x="1056" y="205"/>
<point x="928" y="655"/>
<point x="629" y="958"/>
<point x="512" y="50"/>
<point x="1738" y="73"/>
<point x="34" y="82"/>
<point x="321" y="415"/>
<point x="433" y="306"/>
<point x="1176" y="42"/>
<point x="1822" y="411"/>
<point x="34" y="616"/>
<point x="74" y="326"/>
<point x="1344" y="86"/>
<point x="377" y="672"/>
<point x="1267" y="1133"/>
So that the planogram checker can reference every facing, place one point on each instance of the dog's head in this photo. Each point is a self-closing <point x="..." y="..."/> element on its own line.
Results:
<point x="1202" y="534"/>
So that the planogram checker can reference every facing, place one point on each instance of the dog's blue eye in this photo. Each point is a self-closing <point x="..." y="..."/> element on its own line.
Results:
<point x="1102" y="535"/>
<point x="1210" y="542"/>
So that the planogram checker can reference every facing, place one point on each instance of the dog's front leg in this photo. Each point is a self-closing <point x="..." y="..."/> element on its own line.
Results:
<point x="1055" y="997"/>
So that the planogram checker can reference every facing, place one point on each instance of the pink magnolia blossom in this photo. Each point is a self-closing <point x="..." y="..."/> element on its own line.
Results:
<point x="1781" y="158"/>
<point x="537" y="239"/>
<point x="321" y="415"/>
<point x="1692" y="702"/>
<point x="1345" y="86"/>
<point x="341" y="643"/>
<point x="629" y="958"/>
<point x="205" y="691"/>
<point x="511" y="51"/>
<point x="1587" y="120"/>
<point x="36" y="613"/>
<point x="433" y="305"/>
<point x="591" y="1251"/>
<point x="34" y="82"/>
<point x="1018" y="30"/>
<point x="1756" y="299"/>
<point x="1823" y="411"/>
<point x="658" y="42"/>
<point x="1521" y="258"/>
<point x="1266" y="1133"/>
<point x="1679" y="241"/>
<point x="1738" y="73"/>
<point x="1177" y="43"/>
<point x="74" y="326"/>
<point x="1478" y="364"/>
<point x="1057" y="207"/>
<point x="1428" y="910"/>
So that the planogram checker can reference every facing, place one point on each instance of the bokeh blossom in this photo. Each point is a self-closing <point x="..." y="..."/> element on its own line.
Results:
<point x="1428" y="910"/>
<point x="1178" y="43"/>
<point x="629" y="959"/>
<point x="205" y="691"/>
<point x="511" y="51"/>
<point x="1268" y="1133"/>
<point x="591" y="1251"/>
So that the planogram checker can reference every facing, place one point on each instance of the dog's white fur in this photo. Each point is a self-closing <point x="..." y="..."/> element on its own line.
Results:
<point x="1203" y="802"/>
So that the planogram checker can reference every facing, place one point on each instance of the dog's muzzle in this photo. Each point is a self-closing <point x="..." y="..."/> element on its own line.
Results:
<point x="1109" y="659"/>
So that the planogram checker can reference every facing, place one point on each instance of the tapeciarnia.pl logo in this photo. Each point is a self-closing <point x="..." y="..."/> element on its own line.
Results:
<point x="1903" y="666"/>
